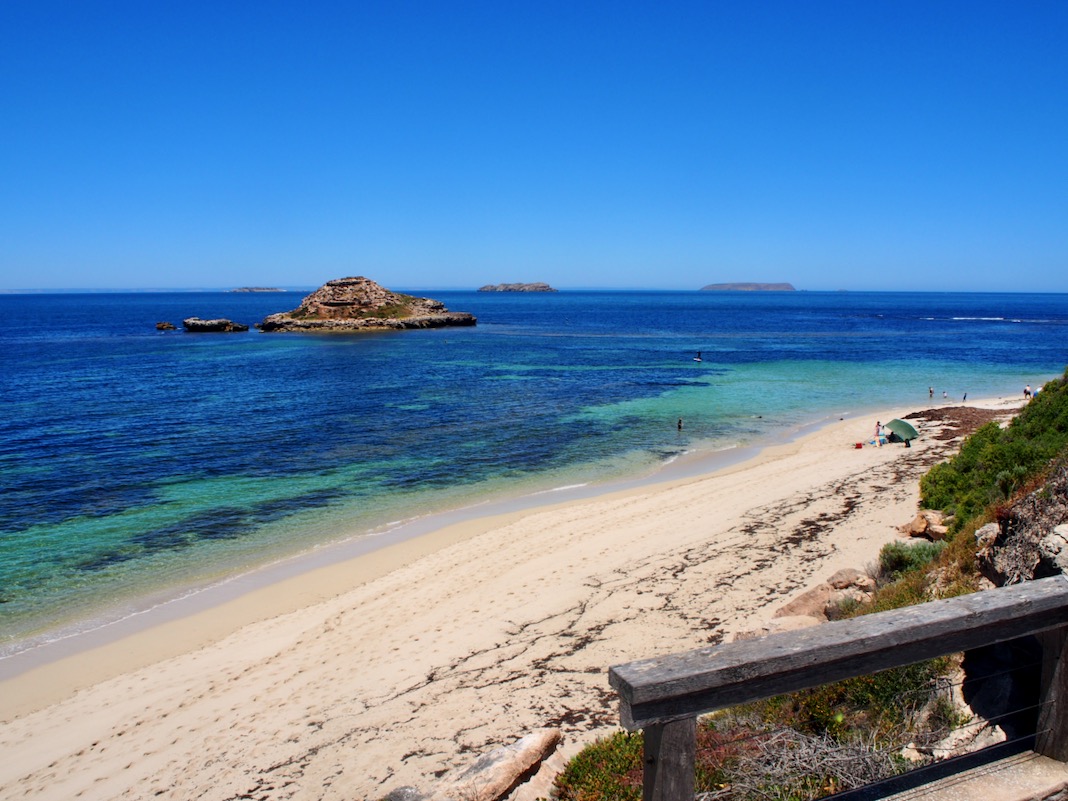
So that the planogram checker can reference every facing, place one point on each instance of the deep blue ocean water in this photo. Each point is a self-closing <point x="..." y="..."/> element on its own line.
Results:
<point x="135" y="462"/>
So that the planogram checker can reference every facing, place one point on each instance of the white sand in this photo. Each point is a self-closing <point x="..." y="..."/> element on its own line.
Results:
<point x="411" y="661"/>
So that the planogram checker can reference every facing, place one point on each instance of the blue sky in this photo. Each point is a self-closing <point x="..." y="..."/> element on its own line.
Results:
<point x="835" y="145"/>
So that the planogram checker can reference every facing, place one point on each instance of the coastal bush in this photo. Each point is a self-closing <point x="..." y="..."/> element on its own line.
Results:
<point x="874" y="707"/>
<point x="908" y="590"/>
<point x="898" y="558"/>
<point x="608" y="769"/>
<point x="994" y="462"/>
<point x="390" y="311"/>
<point x="611" y="768"/>
<point x="737" y="756"/>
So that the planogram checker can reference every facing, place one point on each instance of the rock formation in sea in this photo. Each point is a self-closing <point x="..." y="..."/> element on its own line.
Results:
<point x="358" y="304"/>
<point x="749" y="287"/>
<point x="197" y="326"/>
<point x="163" y="325"/>
<point x="535" y="287"/>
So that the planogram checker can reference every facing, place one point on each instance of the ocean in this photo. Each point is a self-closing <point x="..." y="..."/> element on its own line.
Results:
<point x="136" y="464"/>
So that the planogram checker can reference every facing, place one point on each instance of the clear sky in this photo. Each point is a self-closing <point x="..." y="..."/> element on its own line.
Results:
<point x="835" y="145"/>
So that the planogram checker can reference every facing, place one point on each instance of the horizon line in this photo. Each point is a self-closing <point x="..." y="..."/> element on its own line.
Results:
<point x="311" y="288"/>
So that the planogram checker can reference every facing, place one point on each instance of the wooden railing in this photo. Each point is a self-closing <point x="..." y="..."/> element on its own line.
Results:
<point x="665" y="695"/>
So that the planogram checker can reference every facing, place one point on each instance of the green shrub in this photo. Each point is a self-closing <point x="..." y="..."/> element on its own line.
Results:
<point x="611" y="768"/>
<point x="898" y="558"/>
<point x="608" y="769"/>
<point x="995" y="462"/>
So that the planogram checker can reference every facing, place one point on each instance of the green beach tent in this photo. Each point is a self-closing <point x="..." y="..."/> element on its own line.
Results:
<point x="903" y="429"/>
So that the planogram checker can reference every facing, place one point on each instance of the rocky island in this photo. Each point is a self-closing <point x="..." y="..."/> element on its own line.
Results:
<point x="749" y="287"/>
<point x="535" y="287"/>
<point x="219" y="325"/>
<point x="257" y="289"/>
<point x="360" y="304"/>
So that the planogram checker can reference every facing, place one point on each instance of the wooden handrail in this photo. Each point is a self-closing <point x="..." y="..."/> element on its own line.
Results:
<point x="664" y="694"/>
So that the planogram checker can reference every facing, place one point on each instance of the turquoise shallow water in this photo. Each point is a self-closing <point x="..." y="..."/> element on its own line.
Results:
<point x="135" y="463"/>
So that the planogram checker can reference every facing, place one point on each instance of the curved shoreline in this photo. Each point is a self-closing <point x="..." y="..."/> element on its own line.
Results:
<point x="398" y="662"/>
<point x="285" y="585"/>
<point x="386" y="549"/>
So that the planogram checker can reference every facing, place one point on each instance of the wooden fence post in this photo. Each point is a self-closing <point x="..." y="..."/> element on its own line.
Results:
<point x="670" y="750"/>
<point x="1052" y="738"/>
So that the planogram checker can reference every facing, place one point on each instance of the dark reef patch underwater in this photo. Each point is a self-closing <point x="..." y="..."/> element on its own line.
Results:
<point x="138" y="461"/>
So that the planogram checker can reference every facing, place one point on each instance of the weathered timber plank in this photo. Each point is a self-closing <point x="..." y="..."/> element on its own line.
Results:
<point x="681" y="685"/>
<point x="670" y="750"/>
<point x="1052" y="736"/>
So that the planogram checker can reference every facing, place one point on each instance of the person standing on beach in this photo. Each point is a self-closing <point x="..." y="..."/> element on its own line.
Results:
<point x="930" y="392"/>
<point x="878" y="433"/>
<point x="1027" y="391"/>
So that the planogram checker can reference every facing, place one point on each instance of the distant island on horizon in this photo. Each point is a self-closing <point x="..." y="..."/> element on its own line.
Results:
<point x="535" y="287"/>
<point x="258" y="289"/>
<point x="749" y="287"/>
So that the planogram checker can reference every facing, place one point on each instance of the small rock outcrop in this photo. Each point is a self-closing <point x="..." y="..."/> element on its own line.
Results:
<point x="358" y="304"/>
<point x="818" y="604"/>
<point x="535" y="287"/>
<point x="1053" y="549"/>
<point x="165" y="326"/>
<point x="197" y="326"/>
<point x="928" y="524"/>
<point x="749" y="287"/>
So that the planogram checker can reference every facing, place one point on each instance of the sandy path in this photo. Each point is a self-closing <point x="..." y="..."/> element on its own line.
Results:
<point x="510" y="627"/>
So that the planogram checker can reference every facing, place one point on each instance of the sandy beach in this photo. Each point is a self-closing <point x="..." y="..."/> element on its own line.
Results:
<point x="394" y="668"/>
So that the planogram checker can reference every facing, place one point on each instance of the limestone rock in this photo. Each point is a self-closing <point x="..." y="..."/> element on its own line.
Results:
<point x="196" y="325"/>
<point x="540" y="785"/>
<point x="792" y="623"/>
<point x="846" y="577"/>
<point x="967" y="740"/>
<point x="165" y="326"/>
<point x="354" y="304"/>
<point x="749" y="634"/>
<point x="821" y="602"/>
<point x="405" y="793"/>
<point x="812" y="603"/>
<point x="986" y="536"/>
<point x="916" y="527"/>
<point x="496" y="774"/>
<point x="927" y="523"/>
<point x="1053" y="549"/>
